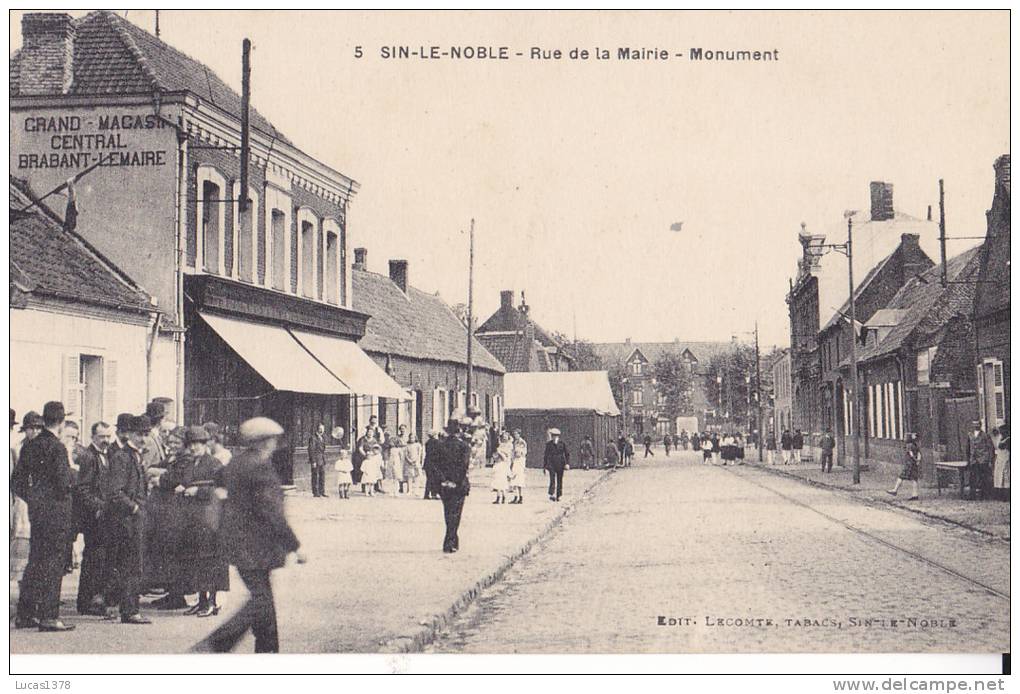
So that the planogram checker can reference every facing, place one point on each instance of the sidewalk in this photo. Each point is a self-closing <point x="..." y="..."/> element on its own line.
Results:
<point x="375" y="580"/>
<point x="987" y="517"/>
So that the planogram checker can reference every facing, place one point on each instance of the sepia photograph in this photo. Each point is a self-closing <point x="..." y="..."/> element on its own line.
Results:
<point x="399" y="335"/>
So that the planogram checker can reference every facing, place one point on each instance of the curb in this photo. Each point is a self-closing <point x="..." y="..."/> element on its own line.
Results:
<point x="430" y="631"/>
<point x="867" y="498"/>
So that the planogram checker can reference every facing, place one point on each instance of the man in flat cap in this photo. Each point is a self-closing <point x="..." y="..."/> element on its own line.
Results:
<point x="557" y="459"/>
<point x="43" y="479"/>
<point x="451" y="473"/>
<point x="123" y="524"/>
<point x="256" y="535"/>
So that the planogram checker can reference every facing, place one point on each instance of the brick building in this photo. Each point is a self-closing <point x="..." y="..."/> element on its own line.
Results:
<point x="991" y="306"/>
<point x="418" y="340"/>
<point x="871" y="299"/>
<point x="916" y="356"/>
<point x="255" y="309"/>
<point x="642" y="400"/>
<point x="821" y="287"/>
<point x="782" y="395"/>
<point x="520" y="344"/>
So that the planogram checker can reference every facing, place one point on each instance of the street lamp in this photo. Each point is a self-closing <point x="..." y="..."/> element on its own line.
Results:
<point x="855" y="411"/>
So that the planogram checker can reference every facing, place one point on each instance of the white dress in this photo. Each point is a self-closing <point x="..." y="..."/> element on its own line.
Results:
<point x="501" y="467"/>
<point x="371" y="469"/>
<point x="343" y="468"/>
<point x="518" y="463"/>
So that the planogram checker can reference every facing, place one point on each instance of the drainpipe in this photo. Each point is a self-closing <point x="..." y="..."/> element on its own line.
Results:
<point x="180" y="223"/>
<point x="156" y="318"/>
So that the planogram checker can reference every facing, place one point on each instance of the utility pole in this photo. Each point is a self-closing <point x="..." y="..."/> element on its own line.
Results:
<point x="242" y="202"/>
<point x="942" y="232"/>
<point x="757" y="391"/>
<point x="470" y="312"/>
<point x="853" y="352"/>
<point x="157" y="24"/>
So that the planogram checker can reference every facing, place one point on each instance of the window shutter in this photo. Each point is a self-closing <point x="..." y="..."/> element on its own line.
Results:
<point x="72" y="386"/>
<point x="110" y="378"/>
<point x="1000" y="395"/>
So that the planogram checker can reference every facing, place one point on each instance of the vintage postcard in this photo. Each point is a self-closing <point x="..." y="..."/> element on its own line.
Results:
<point x="466" y="332"/>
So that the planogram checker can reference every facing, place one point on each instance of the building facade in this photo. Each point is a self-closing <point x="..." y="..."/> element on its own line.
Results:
<point x="152" y="138"/>
<point x="782" y="393"/>
<point x="80" y="330"/>
<point x="418" y="340"/>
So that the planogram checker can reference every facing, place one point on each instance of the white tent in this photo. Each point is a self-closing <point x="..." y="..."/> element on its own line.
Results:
<point x="560" y="390"/>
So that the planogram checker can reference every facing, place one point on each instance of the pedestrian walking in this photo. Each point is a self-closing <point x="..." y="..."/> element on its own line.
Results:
<point x="587" y="453"/>
<point x="827" y="445"/>
<point x="317" y="460"/>
<point x="648" y="446"/>
<point x="518" y="467"/>
<point x="200" y="565"/>
<point x="695" y="442"/>
<point x="786" y="443"/>
<point x="501" y="461"/>
<point x="667" y="443"/>
<point x="454" y="486"/>
<point x="685" y="440"/>
<point x="770" y="448"/>
<point x="628" y="451"/>
<point x="911" y="467"/>
<point x="90" y="497"/>
<point x="706" y="449"/>
<point x="716" y="448"/>
<point x="43" y="480"/>
<point x="798" y="446"/>
<point x="257" y="537"/>
<point x="555" y="462"/>
<point x="123" y="521"/>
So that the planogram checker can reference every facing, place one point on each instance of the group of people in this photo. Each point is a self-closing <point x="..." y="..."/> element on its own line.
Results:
<point x="161" y="508"/>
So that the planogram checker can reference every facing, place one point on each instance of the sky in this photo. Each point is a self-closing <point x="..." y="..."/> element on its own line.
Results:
<point x="574" y="171"/>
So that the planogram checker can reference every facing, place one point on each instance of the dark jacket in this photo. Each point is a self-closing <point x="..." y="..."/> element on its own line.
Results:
<point x="255" y="531"/>
<point x="557" y="457"/>
<point x="453" y="462"/>
<point x="981" y="449"/>
<point x="587" y="450"/>
<point x="126" y="490"/>
<point x="93" y="487"/>
<point x="433" y="450"/>
<point x="827" y="443"/>
<point x="196" y="523"/>
<point x="798" y="441"/>
<point x="43" y="479"/>
<point x="786" y="441"/>
<point x="316" y="451"/>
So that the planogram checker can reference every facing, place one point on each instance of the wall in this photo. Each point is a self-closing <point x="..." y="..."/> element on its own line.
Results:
<point x="573" y="425"/>
<point x="41" y="340"/>
<point x="126" y="206"/>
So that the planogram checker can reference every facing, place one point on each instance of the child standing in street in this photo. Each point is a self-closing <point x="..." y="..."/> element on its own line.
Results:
<point x="501" y="461"/>
<point x="371" y="470"/>
<point x="518" y="462"/>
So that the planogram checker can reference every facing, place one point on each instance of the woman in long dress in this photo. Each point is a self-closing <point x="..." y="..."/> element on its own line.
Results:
<point x="393" y="472"/>
<point x="1000" y="472"/>
<point x="911" y="467"/>
<point x="518" y="465"/>
<point x="501" y="462"/>
<point x="413" y="454"/>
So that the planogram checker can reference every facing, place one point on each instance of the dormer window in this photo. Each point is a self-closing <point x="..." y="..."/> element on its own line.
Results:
<point x="635" y="368"/>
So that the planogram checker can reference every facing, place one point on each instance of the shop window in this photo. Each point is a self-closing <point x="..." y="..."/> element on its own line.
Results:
<point x="211" y="215"/>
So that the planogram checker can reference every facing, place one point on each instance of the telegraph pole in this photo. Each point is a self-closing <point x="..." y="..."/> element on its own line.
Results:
<point x="757" y="391"/>
<point x="853" y="353"/>
<point x="242" y="202"/>
<point x="942" y="232"/>
<point x="470" y="312"/>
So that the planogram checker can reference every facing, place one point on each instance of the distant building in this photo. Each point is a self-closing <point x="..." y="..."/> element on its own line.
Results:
<point x="991" y="306"/>
<point x="782" y="395"/>
<point x="642" y="401"/>
<point x="419" y="341"/>
<point x="79" y="327"/>
<point x="518" y="342"/>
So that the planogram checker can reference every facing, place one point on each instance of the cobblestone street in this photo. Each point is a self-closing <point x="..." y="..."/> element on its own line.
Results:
<point x="742" y="561"/>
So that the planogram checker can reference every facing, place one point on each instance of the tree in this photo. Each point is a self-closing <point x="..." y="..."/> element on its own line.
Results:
<point x="673" y="383"/>
<point x="730" y="377"/>
<point x="617" y="372"/>
<point x="584" y="355"/>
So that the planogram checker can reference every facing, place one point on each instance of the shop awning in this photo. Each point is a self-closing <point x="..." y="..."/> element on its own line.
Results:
<point x="351" y="365"/>
<point x="276" y="355"/>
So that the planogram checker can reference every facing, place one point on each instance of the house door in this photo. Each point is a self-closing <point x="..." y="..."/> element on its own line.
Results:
<point x="956" y="426"/>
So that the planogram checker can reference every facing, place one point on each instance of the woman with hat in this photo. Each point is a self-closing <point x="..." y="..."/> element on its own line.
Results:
<point x="911" y="467"/>
<point x="201" y="566"/>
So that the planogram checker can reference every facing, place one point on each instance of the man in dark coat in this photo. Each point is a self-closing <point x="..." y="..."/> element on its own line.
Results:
<point x="433" y="451"/>
<point x="587" y="453"/>
<point x="43" y="480"/>
<point x="827" y="445"/>
<point x="90" y="496"/>
<point x="317" y="459"/>
<point x="648" y="446"/>
<point x="123" y="521"/>
<point x="451" y="473"/>
<point x="256" y="535"/>
<point x="786" y="444"/>
<point x="798" y="446"/>
<point x="980" y="456"/>
<point x="556" y="460"/>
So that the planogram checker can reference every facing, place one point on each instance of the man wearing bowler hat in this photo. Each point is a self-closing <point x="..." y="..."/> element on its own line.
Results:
<point x="451" y="471"/>
<point x="256" y="535"/>
<point x="122" y="521"/>
<point x="43" y="479"/>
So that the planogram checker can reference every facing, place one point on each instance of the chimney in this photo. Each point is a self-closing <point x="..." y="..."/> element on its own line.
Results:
<point x="398" y="273"/>
<point x="881" y="201"/>
<point x="929" y="213"/>
<point x="910" y="240"/>
<point x="360" y="259"/>
<point x="47" y="53"/>
<point x="506" y="298"/>
<point x="627" y="341"/>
